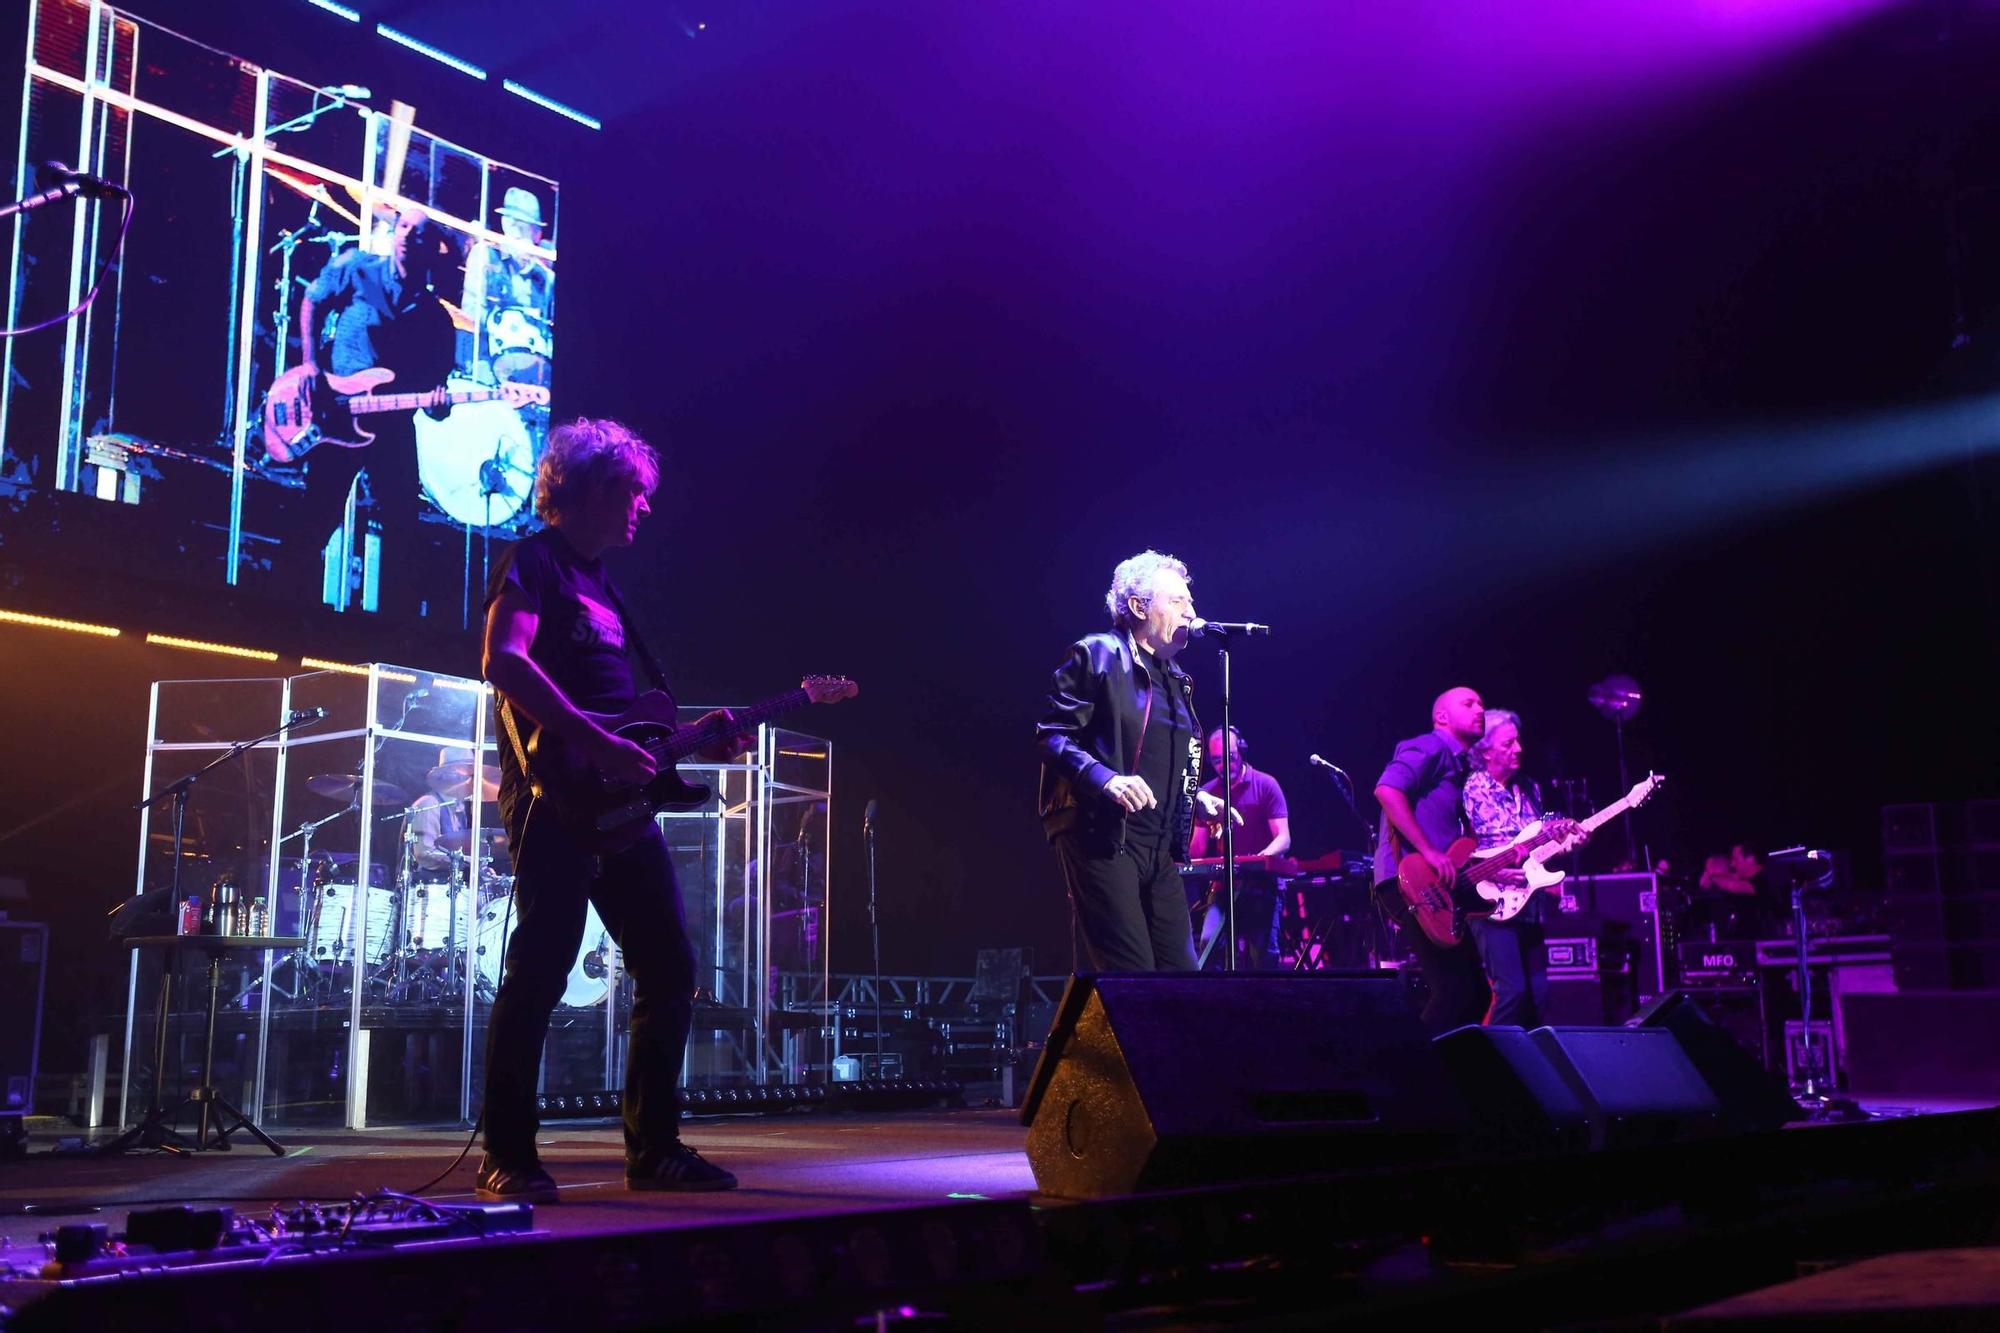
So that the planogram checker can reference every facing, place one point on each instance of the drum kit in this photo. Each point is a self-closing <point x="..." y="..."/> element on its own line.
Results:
<point x="436" y="924"/>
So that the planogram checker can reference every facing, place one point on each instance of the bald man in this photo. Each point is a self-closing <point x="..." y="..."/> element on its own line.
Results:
<point x="1422" y="796"/>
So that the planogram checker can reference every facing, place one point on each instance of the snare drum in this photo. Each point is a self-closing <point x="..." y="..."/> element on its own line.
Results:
<point x="588" y="980"/>
<point x="333" y="924"/>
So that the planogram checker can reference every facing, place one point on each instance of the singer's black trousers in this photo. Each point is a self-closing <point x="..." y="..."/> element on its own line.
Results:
<point x="635" y="894"/>
<point x="1129" y="902"/>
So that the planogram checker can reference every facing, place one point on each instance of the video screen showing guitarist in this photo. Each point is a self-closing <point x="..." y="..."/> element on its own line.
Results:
<point x="1422" y="792"/>
<point x="386" y="314"/>
<point x="556" y="653"/>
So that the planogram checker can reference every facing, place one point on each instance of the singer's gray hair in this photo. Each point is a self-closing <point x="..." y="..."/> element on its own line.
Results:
<point x="1133" y="579"/>
<point x="1495" y="719"/>
<point x="584" y="454"/>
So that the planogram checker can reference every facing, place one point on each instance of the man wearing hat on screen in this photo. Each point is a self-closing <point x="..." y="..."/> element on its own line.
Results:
<point x="510" y="294"/>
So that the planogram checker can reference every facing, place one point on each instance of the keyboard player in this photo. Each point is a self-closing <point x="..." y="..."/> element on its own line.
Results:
<point x="1265" y="830"/>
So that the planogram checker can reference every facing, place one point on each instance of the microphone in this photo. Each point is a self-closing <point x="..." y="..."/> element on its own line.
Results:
<point x="304" y="715"/>
<point x="59" y="176"/>
<point x="868" y="816"/>
<point x="349" y="90"/>
<point x="1224" y="628"/>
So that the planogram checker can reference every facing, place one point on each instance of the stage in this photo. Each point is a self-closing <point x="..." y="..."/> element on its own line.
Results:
<point x="841" y="1217"/>
<point x="789" y="1165"/>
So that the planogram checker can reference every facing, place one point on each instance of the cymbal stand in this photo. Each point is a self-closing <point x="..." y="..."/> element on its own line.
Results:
<point x="302" y="959"/>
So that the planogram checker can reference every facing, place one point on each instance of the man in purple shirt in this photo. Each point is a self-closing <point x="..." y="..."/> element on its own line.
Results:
<point x="1263" y="828"/>
<point x="1421" y="792"/>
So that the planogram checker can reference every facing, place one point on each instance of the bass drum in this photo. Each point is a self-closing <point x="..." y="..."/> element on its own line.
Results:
<point x="588" y="980"/>
<point x="478" y="464"/>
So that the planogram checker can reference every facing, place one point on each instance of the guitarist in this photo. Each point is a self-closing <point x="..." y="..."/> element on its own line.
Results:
<point x="1421" y="793"/>
<point x="555" y="652"/>
<point x="385" y="314"/>
<point x="1498" y="805"/>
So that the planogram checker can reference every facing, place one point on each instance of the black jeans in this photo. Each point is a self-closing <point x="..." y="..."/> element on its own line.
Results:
<point x="1459" y="993"/>
<point x="397" y="490"/>
<point x="1517" y="963"/>
<point x="1130" y="903"/>
<point x="636" y="896"/>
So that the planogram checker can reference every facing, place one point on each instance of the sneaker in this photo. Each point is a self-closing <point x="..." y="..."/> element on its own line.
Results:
<point x="504" y="1184"/>
<point x="678" y="1168"/>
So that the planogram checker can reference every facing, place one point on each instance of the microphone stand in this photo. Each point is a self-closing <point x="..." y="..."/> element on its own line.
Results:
<point x="1228" y="799"/>
<point x="153" y="1131"/>
<point x="875" y="933"/>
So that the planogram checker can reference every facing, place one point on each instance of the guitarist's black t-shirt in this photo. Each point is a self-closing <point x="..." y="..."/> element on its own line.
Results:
<point x="579" y="641"/>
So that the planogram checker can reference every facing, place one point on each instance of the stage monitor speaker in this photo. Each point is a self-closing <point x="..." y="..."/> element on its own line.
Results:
<point x="1172" y="1079"/>
<point x="1638" y="1085"/>
<point x="1523" y="1103"/>
<point x="1749" y="1098"/>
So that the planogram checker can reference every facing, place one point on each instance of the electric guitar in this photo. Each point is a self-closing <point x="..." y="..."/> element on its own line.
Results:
<point x="1441" y="913"/>
<point x="304" y="410"/>
<point x="1508" y="900"/>
<point x="610" y="816"/>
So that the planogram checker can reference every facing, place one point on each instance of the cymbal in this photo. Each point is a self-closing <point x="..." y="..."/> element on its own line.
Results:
<point x="1617" y="697"/>
<point x="343" y="786"/>
<point x="313" y="190"/>
<point x="454" y="782"/>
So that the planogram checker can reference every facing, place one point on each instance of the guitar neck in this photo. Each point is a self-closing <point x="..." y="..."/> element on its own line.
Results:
<point x="1607" y="814"/>
<point x="685" y="741"/>
<point x="363" y="404"/>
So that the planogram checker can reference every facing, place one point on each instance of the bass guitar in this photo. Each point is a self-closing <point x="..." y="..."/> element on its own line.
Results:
<point x="608" y="816"/>
<point x="1509" y="899"/>
<point x="304" y="410"/>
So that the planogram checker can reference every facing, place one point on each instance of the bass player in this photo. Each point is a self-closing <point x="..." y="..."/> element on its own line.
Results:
<point x="387" y="315"/>
<point x="556" y="652"/>
<point x="1421" y="793"/>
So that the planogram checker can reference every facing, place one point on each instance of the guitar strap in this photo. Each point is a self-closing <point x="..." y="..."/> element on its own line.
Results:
<point x="637" y="643"/>
<point x="514" y="739"/>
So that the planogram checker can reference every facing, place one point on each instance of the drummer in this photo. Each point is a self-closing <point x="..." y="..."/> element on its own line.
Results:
<point x="510" y="295"/>
<point x="440" y="823"/>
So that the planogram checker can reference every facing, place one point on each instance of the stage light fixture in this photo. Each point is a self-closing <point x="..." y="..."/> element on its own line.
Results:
<point x="202" y="646"/>
<point x="52" y="622"/>
<point x="424" y="48"/>
<point x="351" y="15"/>
<point x="550" y="104"/>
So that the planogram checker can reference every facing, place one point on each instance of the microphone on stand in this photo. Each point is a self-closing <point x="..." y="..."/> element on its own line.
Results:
<point x="351" y="91"/>
<point x="1224" y="628"/>
<point x="303" y="715"/>
<point x="59" y="176"/>
<point x="1318" y="762"/>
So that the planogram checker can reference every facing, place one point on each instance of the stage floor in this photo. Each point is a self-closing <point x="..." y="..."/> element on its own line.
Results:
<point x="788" y="1165"/>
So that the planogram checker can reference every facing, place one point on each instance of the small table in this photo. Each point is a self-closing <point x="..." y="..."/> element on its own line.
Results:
<point x="153" y="1130"/>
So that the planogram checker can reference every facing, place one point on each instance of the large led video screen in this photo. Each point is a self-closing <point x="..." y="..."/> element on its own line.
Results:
<point x="319" y="366"/>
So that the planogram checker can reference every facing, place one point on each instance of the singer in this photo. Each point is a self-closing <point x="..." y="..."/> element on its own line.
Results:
<point x="556" y="652"/>
<point x="1121" y="766"/>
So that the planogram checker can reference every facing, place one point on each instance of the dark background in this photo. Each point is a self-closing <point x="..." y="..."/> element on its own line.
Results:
<point x="1507" y="346"/>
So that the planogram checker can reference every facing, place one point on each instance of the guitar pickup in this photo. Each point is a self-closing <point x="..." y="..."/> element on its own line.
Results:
<point x="622" y="814"/>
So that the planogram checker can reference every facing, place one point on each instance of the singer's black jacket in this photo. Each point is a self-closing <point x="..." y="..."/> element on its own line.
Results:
<point x="1090" y="734"/>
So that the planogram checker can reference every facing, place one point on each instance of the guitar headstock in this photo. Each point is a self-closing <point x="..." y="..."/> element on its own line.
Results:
<point x="524" y="395"/>
<point x="829" y="689"/>
<point x="1642" y="790"/>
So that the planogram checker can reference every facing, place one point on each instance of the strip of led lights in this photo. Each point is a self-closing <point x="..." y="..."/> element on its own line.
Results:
<point x="53" y="622"/>
<point x="202" y="646"/>
<point x="424" y="48"/>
